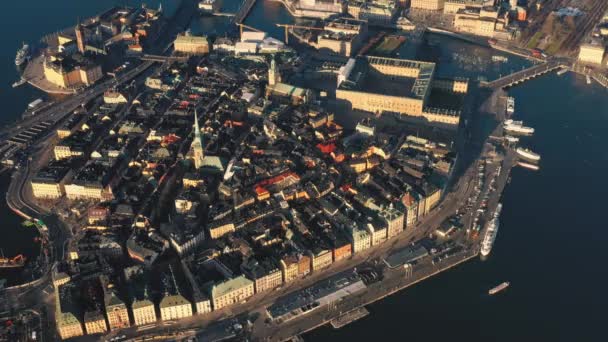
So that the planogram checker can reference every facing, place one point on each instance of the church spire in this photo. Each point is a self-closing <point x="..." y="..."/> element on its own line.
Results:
<point x="197" y="144"/>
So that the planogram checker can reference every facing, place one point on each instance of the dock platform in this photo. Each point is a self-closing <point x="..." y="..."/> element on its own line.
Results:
<point x="349" y="317"/>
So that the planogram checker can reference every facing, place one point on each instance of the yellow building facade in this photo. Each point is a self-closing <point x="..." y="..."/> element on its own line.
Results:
<point x="143" y="312"/>
<point x="192" y="45"/>
<point x="95" y="323"/>
<point x="270" y="281"/>
<point x="68" y="326"/>
<point x="47" y="190"/>
<point x="175" y="307"/>
<point x="428" y="5"/>
<point x="590" y="53"/>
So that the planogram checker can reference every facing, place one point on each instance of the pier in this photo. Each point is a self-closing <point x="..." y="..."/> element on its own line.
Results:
<point x="243" y="11"/>
<point x="349" y="317"/>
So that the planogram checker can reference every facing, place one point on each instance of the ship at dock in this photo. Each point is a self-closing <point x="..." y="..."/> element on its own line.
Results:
<point x="528" y="166"/>
<point x="517" y="127"/>
<point x="498" y="288"/>
<point x="527" y="154"/>
<point x="510" y="105"/>
<point x="491" y="232"/>
<point x="23" y="55"/>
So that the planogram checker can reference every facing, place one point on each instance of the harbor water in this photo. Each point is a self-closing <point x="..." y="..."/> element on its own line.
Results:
<point x="552" y="236"/>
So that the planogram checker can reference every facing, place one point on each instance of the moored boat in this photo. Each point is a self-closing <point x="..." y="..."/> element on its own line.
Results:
<point x="498" y="288"/>
<point x="23" y="55"/>
<point x="527" y="154"/>
<point x="491" y="232"/>
<point x="510" y="105"/>
<point x="528" y="166"/>
<point x="517" y="127"/>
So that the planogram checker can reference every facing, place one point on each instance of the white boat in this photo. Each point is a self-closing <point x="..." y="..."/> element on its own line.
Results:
<point x="498" y="58"/>
<point x="20" y="82"/>
<point x="562" y="71"/>
<point x="23" y="55"/>
<point x="527" y="154"/>
<point x="209" y="6"/>
<point x="491" y="232"/>
<point x="510" y="105"/>
<point x="517" y="127"/>
<point x="528" y="166"/>
<point x="588" y="79"/>
<point x="511" y="139"/>
<point x="499" y="288"/>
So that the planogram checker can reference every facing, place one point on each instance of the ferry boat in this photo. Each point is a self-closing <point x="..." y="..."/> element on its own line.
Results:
<point x="528" y="166"/>
<point x="527" y="154"/>
<point x="517" y="127"/>
<point x="510" y="105"/>
<point x="22" y="55"/>
<point x="499" y="288"/>
<point x="491" y="232"/>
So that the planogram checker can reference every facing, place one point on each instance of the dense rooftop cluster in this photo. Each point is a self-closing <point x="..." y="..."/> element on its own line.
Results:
<point x="249" y="189"/>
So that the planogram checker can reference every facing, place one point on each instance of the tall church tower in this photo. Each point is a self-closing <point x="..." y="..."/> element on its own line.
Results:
<point x="197" y="145"/>
<point x="274" y="76"/>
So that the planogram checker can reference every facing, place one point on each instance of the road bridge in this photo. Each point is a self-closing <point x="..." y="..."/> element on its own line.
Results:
<point x="243" y="11"/>
<point x="524" y="75"/>
<point x="163" y="59"/>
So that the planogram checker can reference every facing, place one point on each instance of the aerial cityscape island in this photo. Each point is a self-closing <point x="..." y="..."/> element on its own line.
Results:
<point x="242" y="186"/>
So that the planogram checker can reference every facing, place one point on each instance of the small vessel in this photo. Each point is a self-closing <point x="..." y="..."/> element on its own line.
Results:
<point x="562" y="71"/>
<point x="511" y="139"/>
<point x="527" y="154"/>
<point x="500" y="59"/>
<point x="23" y="55"/>
<point x="17" y="261"/>
<point x="498" y="288"/>
<point x="491" y="232"/>
<point x="209" y="6"/>
<point x="510" y="105"/>
<point x="528" y="166"/>
<point x="517" y="127"/>
<point x="588" y="79"/>
<point x="21" y="81"/>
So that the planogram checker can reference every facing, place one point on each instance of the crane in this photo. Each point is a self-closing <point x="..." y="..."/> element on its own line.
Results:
<point x="288" y="26"/>
<point x="247" y="27"/>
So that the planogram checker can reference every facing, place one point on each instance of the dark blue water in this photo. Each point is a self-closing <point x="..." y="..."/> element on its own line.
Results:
<point x="552" y="239"/>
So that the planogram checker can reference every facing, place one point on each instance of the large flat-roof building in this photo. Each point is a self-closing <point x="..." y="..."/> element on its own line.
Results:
<point x="49" y="182"/>
<point x="390" y="85"/>
<point x="342" y="36"/>
<point x="591" y="53"/>
<point x="191" y="44"/>
<point x="71" y="71"/>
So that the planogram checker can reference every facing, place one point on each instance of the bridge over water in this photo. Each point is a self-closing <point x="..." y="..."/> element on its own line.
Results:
<point x="524" y="75"/>
<point x="162" y="59"/>
<point x="243" y="11"/>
